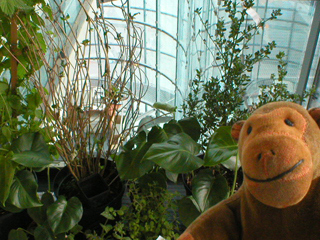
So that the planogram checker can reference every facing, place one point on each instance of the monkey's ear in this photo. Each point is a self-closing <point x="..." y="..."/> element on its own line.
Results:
<point x="315" y="114"/>
<point x="236" y="128"/>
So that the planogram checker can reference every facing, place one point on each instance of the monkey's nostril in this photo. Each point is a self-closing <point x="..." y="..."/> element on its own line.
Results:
<point x="273" y="153"/>
<point x="259" y="156"/>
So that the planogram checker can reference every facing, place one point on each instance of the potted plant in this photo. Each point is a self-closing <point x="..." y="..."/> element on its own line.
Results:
<point x="90" y="111"/>
<point x="150" y="215"/>
<point x="173" y="149"/>
<point x="142" y="153"/>
<point x="55" y="219"/>
<point x="217" y="98"/>
<point x="24" y="145"/>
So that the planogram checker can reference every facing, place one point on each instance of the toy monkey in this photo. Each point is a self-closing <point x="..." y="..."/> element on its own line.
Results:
<point x="279" y="149"/>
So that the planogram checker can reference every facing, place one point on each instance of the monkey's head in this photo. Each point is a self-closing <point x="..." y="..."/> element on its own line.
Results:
<point x="279" y="149"/>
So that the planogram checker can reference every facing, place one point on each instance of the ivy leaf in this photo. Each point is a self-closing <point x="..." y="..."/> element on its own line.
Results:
<point x="33" y="100"/>
<point x="23" y="192"/>
<point x="39" y="214"/>
<point x="10" y="6"/>
<point x="7" y="170"/>
<point x="17" y="234"/>
<point x="30" y="150"/>
<point x="42" y="232"/>
<point x="208" y="189"/>
<point x="63" y="215"/>
<point x="188" y="212"/>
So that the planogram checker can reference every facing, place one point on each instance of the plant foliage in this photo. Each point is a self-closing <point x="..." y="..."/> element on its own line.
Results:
<point x="23" y="139"/>
<point x="151" y="213"/>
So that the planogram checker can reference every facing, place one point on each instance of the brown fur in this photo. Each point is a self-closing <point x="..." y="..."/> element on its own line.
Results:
<point x="280" y="196"/>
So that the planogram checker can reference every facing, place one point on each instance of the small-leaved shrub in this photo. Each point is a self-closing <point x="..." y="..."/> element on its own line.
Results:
<point x="152" y="213"/>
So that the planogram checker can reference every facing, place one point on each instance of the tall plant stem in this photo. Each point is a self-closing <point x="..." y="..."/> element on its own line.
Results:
<point x="14" y="51"/>
<point x="235" y="177"/>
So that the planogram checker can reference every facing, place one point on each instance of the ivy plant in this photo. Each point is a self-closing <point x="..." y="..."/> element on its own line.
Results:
<point x="23" y="141"/>
<point x="53" y="220"/>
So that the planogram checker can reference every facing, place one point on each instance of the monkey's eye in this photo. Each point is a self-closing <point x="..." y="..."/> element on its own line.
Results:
<point x="249" y="130"/>
<point x="289" y="122"/>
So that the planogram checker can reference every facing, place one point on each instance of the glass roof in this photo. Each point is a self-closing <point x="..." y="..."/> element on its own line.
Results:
<point x="173" y="48"/>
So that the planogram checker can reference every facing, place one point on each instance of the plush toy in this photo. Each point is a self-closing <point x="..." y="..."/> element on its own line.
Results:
<point x="279" y="149"/>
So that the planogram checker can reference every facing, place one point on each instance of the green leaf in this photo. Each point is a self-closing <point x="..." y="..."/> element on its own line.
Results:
<point x="165" y="106"/>
<point x="11" y="208"/>
<point x="39" y="214"/>
<point x="130" y="163"/>
<point x="30" y="150"/>
<point x="173" y="177"/>
<point x="42" y="233"/>
<point x="106" y="228"/>
<point x="33" y="100"/>
<point x="172" y="128"/>
<point x="108" y="213"/>
<point x="177" y="154"/>
<point x="40" y="40"/>
<point x="63" y="215"/>
<point x="23" y="192"/>
<point x="188" y="212"/>
<point x="3" y="87"/>
<point x="76" y="229"/>
<point x="21" y="69"/>
<point x="37" y="20"/>
<point x="221" y="147"/>
<point x="47" y="9"/>
<point x="6" y="131"/>
<point x="191" y="126"/>
<point x="208" y="190"/>
<point x="15" y="102"/>
<point x="155" y="178"/>
<point x="18" y="234"/>
<point x="7" y="170"/>
<point x="10" y="6"/>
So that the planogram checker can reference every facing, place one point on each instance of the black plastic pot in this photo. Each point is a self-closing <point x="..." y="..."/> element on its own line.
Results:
<point x="94" y="193"/>
<point x="96" y="196"/>
<point x="186" y="184"/>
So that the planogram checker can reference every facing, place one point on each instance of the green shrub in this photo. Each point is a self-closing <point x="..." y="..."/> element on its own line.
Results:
<point x="151" y="213"/>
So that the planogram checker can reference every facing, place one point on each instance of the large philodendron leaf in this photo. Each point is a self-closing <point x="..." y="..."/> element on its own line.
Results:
<point x="130" y="162"/>
<point x="7" y="170"/>
<point x="39" y="214"/>
<point x="63" y="215"/>
<point x="23" y="192"/>
<point x="208" y="190"/>
<point x="188" y="212"/>
<point x="156" y="178"/>
<point x="30" y="150"/>
<point x="177" y="154"/>
<point x="191" y="126"/>
<point x="221" y="147"/>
